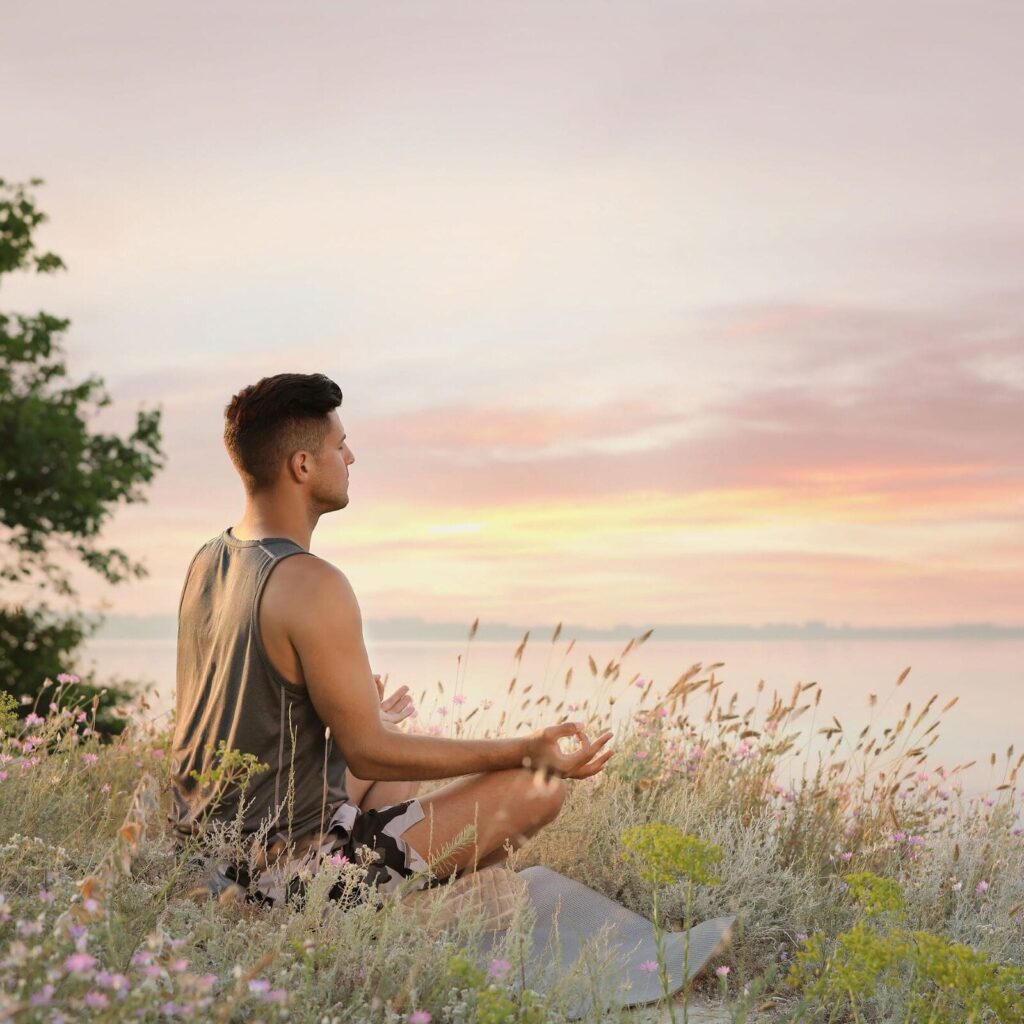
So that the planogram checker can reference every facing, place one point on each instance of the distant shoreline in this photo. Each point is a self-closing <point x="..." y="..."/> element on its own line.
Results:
<point x="154" y="627"/>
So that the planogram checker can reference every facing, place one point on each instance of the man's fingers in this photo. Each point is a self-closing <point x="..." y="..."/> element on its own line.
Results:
<point x="587" y="770"/>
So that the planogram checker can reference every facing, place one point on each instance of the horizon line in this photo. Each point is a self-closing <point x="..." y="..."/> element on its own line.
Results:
<point x="121" y="626"/>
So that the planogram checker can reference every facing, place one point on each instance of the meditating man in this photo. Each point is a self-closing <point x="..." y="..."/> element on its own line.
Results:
<point x="271" y="662"/>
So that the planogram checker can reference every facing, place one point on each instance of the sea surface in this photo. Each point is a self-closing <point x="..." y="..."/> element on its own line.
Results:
<point x="987" y="677"/>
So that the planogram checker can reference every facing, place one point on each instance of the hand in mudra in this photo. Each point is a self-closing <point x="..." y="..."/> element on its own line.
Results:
<point x="398" y="706"/>
<point x="546" y="752"/>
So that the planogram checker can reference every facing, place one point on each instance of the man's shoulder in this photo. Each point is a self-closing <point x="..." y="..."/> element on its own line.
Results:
<point x="303" y="582"/>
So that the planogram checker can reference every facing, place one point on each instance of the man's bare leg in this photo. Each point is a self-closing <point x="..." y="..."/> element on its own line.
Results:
<point x="513" y="804"/>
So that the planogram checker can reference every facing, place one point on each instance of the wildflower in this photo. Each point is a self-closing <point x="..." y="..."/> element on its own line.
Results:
<point x="743" y="750"/>
<point x="420" y="1017"/>
<point x="846" y="855"/>
<point x="275" y="995"/>
<point x="42" y="997"/>
<point x="33" y="719"/>
<point x="152" y="970"/>
<point x="27" y="928"/>
<point x="722" y="971"/>
<point x="989" y="802"/>
<point x="81" y="716"/>
<point x="434" y="730"/>
<point x="649" y="966"/>
<point x="171" y="1009"/>
<point x="206" y="981"/>
<point x="68" y="677"/>
<point x="640" y="683"/>
<point x="80" y="963"/>
<point x="666" y="853"/>
<point x="142" y="958"/>
<point x="91" y="905"/>
<point x="981" y="887"/>
<point x="97" y="1000"/>
<point x="921" y="776"/>
<point x="801" y="936"/>
<point x="3" y="776"/>
<point x="28" y="746"/>
<point x="640" y="754"/>
<point x="498" y="969"/>
<point x="105" y="788"/>
<point x="459" y="698"/>
<point x="259" y="985"/>
<point x="90" y="759"/>
<point x="179" y="966"/>
<point x="338" y="859"/>
<point x="156" y="754"/>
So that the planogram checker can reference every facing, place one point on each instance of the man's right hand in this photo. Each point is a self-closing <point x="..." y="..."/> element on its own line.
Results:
<point x="545" y="752"/>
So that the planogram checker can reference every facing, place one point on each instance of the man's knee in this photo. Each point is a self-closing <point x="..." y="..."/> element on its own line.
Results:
<point x="545" y="796"/>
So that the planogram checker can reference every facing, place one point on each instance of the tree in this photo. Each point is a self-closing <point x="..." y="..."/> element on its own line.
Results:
<point x="60" y="481"/>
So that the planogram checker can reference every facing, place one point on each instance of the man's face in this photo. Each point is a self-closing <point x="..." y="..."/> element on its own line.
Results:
<point x="331" y="484"/>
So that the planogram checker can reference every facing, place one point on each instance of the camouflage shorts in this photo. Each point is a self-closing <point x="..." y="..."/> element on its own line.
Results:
<point x="369" y="838"/>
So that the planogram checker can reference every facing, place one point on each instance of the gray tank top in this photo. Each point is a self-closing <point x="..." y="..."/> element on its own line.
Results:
<point x="227" y="689"/>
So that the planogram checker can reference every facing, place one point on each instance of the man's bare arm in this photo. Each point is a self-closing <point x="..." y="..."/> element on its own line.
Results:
<point x="325" y="626"/>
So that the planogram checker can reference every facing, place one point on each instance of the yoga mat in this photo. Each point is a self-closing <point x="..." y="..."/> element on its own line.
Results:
<point x="573" y="920"/>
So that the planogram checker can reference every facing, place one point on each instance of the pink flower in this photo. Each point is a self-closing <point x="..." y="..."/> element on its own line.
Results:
<point x="640" y="754"/>
<point x="846" y="855"/>
<point x="90" y="759"/>
<point x="68" y="677"/>
<point x="981" y="887"/>
<point x="459" y="698"/>
<point x="338" y="859"/>
<point x="649" y="966"/>
<point x="921" y="776"/>
<point x="275" y="995"/>
<point x="722" y="971"/>
<point x="45" y="895"/>
<point x="42" y="997"/>
<point x="442" y="711"/>
<point x="498" y="968"/>
<point x="259" y="985"/>
<point x="157" y="754"/>
<point x="97" y="1000"/>
<point x="179" y="966"/>
<point x="3" y="776"/>
<point x="33" y="719"/>
<point x="105" y="788"/>
<point x="80" y="963"/>
<point x="420" y="1017"/>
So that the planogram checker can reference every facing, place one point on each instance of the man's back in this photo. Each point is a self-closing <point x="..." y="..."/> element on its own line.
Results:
<point x="228" y="689"/>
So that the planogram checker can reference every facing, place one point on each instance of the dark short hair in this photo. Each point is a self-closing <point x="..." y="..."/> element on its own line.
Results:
<point x="268" y="421"/>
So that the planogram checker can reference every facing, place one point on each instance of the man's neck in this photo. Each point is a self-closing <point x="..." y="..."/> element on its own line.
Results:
<point x="258" y="522"/>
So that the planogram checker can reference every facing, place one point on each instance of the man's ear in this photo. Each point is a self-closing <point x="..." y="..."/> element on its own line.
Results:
<point x="298" y="466"/>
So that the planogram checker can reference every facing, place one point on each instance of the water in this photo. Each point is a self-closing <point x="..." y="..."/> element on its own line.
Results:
<point x="986" y="675"/>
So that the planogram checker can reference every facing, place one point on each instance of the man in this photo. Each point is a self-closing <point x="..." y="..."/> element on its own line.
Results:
<point x="271" y="662"/>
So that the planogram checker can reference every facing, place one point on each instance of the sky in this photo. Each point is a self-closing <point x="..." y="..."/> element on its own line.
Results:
<point x="665" y="312"/>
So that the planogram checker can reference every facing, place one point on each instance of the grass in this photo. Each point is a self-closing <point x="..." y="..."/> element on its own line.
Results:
<point x="867" y="886"/>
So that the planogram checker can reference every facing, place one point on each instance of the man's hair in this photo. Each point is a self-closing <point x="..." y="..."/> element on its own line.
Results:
<point x="268" y="421"/>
